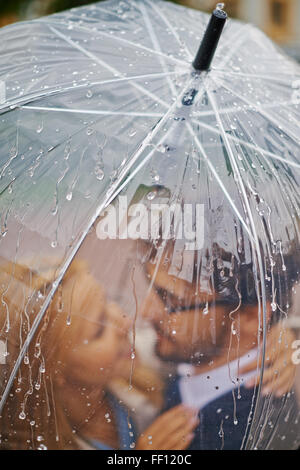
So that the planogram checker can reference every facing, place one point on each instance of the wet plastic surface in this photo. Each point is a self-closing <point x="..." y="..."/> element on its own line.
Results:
<point x="100" y="108"/>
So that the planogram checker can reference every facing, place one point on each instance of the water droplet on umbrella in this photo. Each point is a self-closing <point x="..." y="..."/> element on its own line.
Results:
<point x="162" y="148"/>
<point x="13" y="152"/>
<point x="274" y="306"/>
<point x="22" y="415"/>
<point x="40" y="438"/>
<point x="99" y="173"/>
<point x="42" y="447"/>
<point x="54" y="244"/>
<point x="151" y="196"/>
<point x="40" y="128"/>
<point x="206" y="309"/>
<point x="69" y="196"/>
<point x="233" y="330"/>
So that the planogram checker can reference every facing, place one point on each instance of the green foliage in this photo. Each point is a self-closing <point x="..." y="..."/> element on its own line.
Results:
<point x="12" y="6"/>
<point x="60" y="5"/>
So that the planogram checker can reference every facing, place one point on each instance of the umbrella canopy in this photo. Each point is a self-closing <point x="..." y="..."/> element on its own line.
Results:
<point x="101" y="107"/>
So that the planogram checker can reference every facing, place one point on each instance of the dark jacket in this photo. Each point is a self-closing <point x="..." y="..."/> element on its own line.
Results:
<point x="220" y="426"/>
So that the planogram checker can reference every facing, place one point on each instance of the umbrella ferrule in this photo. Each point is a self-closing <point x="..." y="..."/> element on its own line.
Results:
<point x="210" y="40"/>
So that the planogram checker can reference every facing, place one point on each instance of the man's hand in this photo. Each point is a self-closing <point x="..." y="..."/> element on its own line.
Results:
<point x="279" y="374"/>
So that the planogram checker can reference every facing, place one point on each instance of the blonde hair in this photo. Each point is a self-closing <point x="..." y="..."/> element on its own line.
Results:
<point x="46" y="406"/>
<point x="33" y="416"/>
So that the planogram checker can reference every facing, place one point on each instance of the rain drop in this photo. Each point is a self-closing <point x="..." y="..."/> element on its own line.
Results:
<point x="206" y="309"/>
<point x="22" y="415"/>
<point x="151" y="196"/>
<point x="132" y="133"/>
<point x="99" y="173"/>
<point x="40" y="128"/>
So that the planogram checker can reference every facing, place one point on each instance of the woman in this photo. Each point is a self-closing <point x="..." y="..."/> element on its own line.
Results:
<point x="60" y="398"/>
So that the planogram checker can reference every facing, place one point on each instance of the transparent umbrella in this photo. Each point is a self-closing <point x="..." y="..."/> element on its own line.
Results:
<point x="150" y="210"/>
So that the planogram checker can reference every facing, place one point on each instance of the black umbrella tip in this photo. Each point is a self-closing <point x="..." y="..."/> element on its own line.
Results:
<point x="211" y="39"/>
<point x="220" y="13"/>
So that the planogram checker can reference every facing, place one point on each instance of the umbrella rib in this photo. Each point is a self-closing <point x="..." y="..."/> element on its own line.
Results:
<point x="236" y="46"/>
<point x="83" y="86"/>
<point x="105" y="65"/>
<point x="218" y="179"/>
<point x="75" y="249"/>
<point x="248" y="144"/>
<point x="256" y="248"/>
<point x="117" y="38"/>
<point x="262" y="77"/>
<point x="263" y="113"/>
<point x="138" y="168"/>
<point x="91" y="111"/>
<point x="248" y="108"/>
<point x="155" y="42"/>
<point x="170" y="26"/>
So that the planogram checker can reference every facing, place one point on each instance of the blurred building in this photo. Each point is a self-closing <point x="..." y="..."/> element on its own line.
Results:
<point x="280" y="19"/>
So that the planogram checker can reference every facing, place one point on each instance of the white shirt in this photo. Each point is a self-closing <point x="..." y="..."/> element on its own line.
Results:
<point x="199" y="390"/>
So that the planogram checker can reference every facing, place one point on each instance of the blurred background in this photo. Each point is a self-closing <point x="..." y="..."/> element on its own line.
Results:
<point x="280" y="19"/>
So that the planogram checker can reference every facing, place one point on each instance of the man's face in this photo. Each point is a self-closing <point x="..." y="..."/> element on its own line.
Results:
<point x="189" y="326"/>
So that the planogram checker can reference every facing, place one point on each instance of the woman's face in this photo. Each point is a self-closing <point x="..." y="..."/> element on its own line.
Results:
<point x="98" y="331"/>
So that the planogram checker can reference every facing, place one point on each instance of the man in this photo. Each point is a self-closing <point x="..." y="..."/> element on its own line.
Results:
<point x="213" y="335"/>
